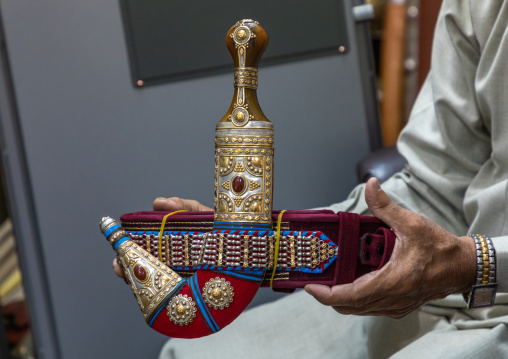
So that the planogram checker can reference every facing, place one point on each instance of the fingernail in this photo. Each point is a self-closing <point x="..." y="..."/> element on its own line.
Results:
<point x="376" y="184"/>
<point x="308" y="290"/>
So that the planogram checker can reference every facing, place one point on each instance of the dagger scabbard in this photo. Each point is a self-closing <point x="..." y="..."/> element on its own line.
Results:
<point x="151" y="281"/>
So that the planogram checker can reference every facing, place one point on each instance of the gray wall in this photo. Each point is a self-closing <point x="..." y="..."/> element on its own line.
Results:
<point x="96" y="146"/>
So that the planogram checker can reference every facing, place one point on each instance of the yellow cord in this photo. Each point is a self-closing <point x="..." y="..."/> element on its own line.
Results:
<point x="162" y="230"/>
<point x="276" y="254"/>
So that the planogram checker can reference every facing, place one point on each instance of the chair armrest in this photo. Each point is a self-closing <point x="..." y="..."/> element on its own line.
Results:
<point x="381" y="164"/>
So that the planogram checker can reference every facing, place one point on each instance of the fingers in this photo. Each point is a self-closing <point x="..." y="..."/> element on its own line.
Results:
<point x="358" y="304"/>
<point x="176" y="204"/>
<point x="338" y="295"/>
<point x="391" y="313"/>
<point x="362" y="291"/>
<point x="118" y="269"/>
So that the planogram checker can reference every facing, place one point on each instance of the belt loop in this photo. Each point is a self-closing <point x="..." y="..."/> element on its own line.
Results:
<point x="276" y="254"/>
<point x="349" y="230"/>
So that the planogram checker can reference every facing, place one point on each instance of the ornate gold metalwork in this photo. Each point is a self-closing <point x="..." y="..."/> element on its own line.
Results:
<point x="168" y="250"/>
<point x="241" y="37"/>
<point x="158" y="283"/>
<point x="186" y="249"/>
<point x="221" y="249"/>
<point x="225" y="185"/>
<point x="241" y="116"/>
<point x="239" y="167"/>
<point x="244" y="138"/>
<point x="253" y="185"/>
<point x="246" y="251"/>
<point x="181" y="310"/>
<point x="291" y="241"/>
<point x="218" y="293"/>
<point x="246" y="77"/>
<point x="226" y="164"/>
<point x="116" y="236"/>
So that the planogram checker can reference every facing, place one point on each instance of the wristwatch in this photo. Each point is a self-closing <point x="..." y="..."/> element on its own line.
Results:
<point x="484" y="291"/>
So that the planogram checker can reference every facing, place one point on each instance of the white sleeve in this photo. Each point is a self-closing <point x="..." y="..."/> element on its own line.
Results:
<point x="455" y="142"/>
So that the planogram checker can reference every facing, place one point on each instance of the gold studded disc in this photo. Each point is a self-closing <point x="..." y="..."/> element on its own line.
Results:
<point x="218" y="293"/>
<point x="181" y="310"/>
<point x="242" y="34"/>
<point x="240" y="117"/>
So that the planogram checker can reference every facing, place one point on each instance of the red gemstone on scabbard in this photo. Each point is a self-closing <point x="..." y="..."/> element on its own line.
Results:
<point x="238" y="184"/>
<point x="140" y="272"/>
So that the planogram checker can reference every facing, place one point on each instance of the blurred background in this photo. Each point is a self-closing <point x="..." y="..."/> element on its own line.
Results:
<point x="105" y="105"/>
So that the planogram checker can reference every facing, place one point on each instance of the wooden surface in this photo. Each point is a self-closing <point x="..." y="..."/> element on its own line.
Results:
<point x="392" y="71"/>
<point x="429" y="9"/>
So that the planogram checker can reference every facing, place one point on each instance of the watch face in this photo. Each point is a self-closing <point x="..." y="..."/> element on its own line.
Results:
<point x="483" y="295"/>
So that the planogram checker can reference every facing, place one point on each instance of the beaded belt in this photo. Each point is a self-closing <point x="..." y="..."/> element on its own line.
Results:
<point x="304" y="251"/>
<point x="189" y="243"/>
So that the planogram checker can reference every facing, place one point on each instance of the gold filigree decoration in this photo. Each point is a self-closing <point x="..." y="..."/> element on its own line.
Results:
<point x="238" y="201"/>
<point x="246" y="77"/>
<point x="245" y="251"/>
<point x="241" y="36"/>
<point x="253" y="204"/>
<point x="225" y="204"/>
<point x="218" y="293"/>
<point x="226" y="164"/>
<point x="221" y="249"/>
<point x="254" y="185"/>
<point x="225" y="185"/>
<point x="181" y="310"/>
<point x="255" y="165"/>
<point x="239" y="167"/>
<point x="151" y="286"/>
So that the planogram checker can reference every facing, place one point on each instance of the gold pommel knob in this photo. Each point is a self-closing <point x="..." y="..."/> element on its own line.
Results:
<point x="241" y="34"/>
<point x="246" y="41"/>
<point x="240" y="116"/>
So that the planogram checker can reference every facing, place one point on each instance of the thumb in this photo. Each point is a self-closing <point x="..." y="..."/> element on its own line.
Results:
<point x="381" y="206"/>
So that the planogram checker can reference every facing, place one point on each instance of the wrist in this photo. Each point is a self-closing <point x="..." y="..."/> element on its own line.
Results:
<point x="484" y="290"/>
<point x="468" y="265"/>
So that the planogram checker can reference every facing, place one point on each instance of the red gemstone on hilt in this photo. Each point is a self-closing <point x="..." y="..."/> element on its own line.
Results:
<point x="238" y="184"/>
<point x="140" y="272"/>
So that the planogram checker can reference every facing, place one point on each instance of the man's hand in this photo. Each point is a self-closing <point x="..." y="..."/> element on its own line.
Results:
<point x="176" y="204"/>
<point x="427" y="263"/>
<point x="168" y="204"/>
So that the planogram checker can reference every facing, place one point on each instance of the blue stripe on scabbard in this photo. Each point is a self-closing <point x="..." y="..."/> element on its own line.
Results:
<point x="196" y="293"/>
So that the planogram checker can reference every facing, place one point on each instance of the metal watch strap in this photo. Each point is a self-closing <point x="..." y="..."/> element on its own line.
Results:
<point x="484" y="290"/>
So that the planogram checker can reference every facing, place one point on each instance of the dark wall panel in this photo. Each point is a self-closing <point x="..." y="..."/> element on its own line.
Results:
<point x="174" y="39"/>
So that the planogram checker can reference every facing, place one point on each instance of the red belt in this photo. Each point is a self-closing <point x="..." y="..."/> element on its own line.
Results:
<point x="364" y="243"/>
